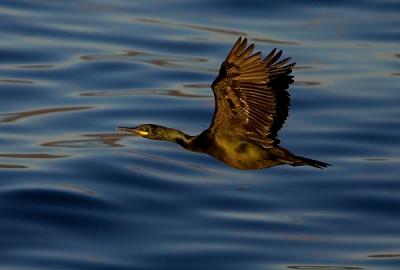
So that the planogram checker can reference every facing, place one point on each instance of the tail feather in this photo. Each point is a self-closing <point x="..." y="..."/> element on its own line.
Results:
<point x="300" y="161"/>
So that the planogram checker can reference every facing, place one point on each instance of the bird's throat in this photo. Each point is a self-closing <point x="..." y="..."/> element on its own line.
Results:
<point x="174" y="135"/>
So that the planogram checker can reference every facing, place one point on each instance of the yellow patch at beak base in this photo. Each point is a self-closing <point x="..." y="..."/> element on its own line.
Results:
<point x="142" y="133"/>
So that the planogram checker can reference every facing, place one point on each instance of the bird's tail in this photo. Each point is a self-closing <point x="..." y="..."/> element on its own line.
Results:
<point x="300" y="161"/>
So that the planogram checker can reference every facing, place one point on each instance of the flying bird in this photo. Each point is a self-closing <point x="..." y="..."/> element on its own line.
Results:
<point x="251" y="105"/>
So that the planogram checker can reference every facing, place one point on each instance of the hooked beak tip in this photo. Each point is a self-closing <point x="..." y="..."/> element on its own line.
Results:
<point x="125" y="129"/>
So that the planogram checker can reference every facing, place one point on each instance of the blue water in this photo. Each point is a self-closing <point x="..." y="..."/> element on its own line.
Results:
<point x="74" y="194"/>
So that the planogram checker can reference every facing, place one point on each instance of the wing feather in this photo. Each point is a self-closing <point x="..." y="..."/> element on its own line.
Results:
<point x="250" y="94"/>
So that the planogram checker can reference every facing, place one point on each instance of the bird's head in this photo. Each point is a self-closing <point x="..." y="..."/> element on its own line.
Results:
<point x="148" y="131"/>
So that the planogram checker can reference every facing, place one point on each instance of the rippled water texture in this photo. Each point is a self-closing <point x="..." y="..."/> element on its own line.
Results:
<point x="74" y="194"/>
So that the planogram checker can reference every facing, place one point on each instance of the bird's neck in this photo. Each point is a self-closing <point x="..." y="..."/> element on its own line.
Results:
<point x="176" y="136"/>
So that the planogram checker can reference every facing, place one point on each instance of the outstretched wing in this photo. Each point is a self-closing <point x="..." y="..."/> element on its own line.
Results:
<point x="250" y="94"/>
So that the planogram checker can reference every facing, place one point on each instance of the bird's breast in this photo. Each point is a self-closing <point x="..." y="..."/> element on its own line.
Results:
<point x="238" y="153"/>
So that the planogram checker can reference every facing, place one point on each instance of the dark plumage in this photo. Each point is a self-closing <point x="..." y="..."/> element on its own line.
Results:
<point x="251" y="105"/>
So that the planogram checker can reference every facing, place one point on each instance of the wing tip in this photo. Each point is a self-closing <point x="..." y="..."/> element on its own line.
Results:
<point x="242" y="55"/>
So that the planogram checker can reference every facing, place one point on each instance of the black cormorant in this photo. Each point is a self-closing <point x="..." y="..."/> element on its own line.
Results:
<point x="251" y="105"/>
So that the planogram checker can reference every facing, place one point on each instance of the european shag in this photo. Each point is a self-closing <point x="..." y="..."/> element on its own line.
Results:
<point x="251" y="105"/>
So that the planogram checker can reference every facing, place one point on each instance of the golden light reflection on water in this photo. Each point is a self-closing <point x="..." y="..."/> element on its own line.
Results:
<point x="13" y="117"/>
<point x="15" y="81"/>
<point x="32" y="156"/>
<point x="78" y="188"/>
<point x="384" y="256"/>
<point x="123" y="55"/>
<point x="156" y="59"/>
<point x="133" y="92"/>
<point x="44" y="66"/>
<point x="276" y="41"/>
<point x="91" y="140"/>
<point x="192" y="26"/>
<point x="307" y="83"/>
<point x="12" y="166"/>
<point x="257" y="37"/>
<point x="37" y="156"/>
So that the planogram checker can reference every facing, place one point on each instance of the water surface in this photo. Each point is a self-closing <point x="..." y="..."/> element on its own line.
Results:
<point x="74" y="194"/>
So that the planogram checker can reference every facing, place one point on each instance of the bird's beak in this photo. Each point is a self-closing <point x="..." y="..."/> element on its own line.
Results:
<point x="132" y="130"/>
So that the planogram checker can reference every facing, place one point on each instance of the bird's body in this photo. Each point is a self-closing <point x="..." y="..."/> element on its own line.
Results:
<point x="236" y="151"/>
<point x="251" y="105"/>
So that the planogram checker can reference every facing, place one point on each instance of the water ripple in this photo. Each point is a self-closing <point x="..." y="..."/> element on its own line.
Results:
<point x="76" y="194"/>
<point x="13" y="117"/>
